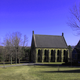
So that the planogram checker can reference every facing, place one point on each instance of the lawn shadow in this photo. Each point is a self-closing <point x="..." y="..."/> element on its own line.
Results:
<point x="64" y="71"/>
<point x="51" y="65"/>
<point x="54" y="65"/>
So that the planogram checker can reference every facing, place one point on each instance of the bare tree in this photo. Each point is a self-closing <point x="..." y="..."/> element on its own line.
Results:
<point x="14" y="43"/>
<point x="3" y="54"/>
<point x="18" y="43"/>
<point x="25" y="41"/>
<point x="16" y="40"/>
<point x="74" y="19"/>
<point x="21" y="52"/>
<point x="9" y="45"/>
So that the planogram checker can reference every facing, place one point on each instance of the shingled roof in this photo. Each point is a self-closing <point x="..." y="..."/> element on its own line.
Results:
<point x="78" y="45"/>
<point x="50" y="41"/>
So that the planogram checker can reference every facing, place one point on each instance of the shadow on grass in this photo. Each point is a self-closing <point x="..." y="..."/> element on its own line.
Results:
<point x="65" y="71"/>
<point x="51" y="65"/>
<point x="55" y="65"/>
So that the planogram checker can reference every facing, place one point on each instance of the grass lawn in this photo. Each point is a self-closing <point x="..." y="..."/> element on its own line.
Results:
<point x="1" y="64"/>
<point x="39" y="73"/>
<point x="52" y="62"/>
<point x="8" y="64"/>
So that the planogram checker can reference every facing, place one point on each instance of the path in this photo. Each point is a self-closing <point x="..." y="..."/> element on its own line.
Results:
<point x="38" y="64"/>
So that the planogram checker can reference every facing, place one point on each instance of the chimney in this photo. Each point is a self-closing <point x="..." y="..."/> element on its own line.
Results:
<point x="33" y="32"/>
<point x="62" y="34"/>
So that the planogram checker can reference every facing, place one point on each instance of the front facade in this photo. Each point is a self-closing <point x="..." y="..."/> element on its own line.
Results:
<point x="49" y="48"/>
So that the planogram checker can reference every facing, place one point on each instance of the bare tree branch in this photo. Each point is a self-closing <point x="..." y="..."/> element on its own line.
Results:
<point x="12" y="43"/>
<point x="74" y="20"/>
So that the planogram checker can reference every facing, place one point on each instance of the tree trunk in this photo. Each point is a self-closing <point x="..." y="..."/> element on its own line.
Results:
<point x="3" y="64"/>
<point x="16" y="57"/>
<point x="4" y="60"/>
<point x="19" y="61"/>
<point x="11" y="60"/>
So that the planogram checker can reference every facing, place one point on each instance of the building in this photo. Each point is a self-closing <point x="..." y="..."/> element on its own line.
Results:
<point x="76" y="53"/>
<point x="49" y="48"/>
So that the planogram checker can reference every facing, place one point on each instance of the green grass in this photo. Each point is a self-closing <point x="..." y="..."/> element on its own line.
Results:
<point x="52" y="62"/>
<point x="1" y="64"/>
<point x="9" y="64"/>
<point x="39" y="73"/>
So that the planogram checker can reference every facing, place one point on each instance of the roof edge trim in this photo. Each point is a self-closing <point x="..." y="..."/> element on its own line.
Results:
<point x="35" y="41"/>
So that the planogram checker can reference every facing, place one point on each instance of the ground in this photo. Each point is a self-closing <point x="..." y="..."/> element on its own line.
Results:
<point x="36" y="72"/>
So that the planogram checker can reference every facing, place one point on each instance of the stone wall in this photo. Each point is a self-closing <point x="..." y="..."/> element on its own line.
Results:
<point x="51" y="55"/>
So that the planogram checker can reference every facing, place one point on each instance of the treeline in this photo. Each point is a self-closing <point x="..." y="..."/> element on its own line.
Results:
<point x="14" y="48"/>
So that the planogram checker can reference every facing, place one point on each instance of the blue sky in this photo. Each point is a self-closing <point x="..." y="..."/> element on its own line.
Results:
<point x="43" y="16"/>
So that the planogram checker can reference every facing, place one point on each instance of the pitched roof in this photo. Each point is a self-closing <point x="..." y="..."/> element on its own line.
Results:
<point x="50" y="41"/>
<point x="78" y="45"/>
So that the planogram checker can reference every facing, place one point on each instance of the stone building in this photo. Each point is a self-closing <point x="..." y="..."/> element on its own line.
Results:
<point x="76" y="53"/>
<point x="49" y="48"/>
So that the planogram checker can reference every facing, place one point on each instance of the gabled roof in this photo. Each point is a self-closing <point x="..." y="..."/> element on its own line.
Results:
<point x="78" y="45"/>
<point x="50" y="41"/>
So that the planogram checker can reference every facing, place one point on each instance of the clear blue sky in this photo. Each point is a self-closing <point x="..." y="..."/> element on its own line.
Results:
<point x="43" y="16"/>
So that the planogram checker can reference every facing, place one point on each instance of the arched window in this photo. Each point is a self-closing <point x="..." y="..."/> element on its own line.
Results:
<point x="52" y="55"/>
<point x="38" y="52"/>
<point x="59" y="56"/>
<point x="65" y="59"/>
<point x="39" y="55"/>
<point x="46" y="55"/>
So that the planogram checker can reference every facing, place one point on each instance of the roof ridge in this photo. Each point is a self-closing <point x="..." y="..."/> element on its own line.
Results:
<point x="47" y="35"/>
